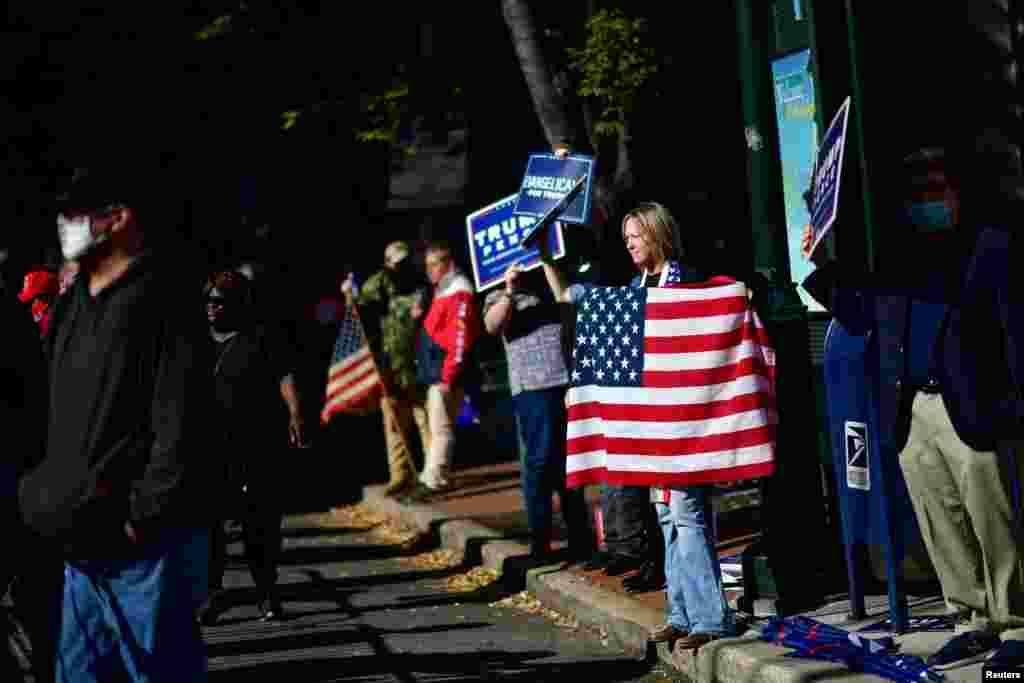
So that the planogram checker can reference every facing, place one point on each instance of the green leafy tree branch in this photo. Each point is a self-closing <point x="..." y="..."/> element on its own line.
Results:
<point x="614" y="65"/>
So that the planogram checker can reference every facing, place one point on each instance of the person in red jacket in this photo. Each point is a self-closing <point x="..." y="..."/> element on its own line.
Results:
<point x="449" y="329"/>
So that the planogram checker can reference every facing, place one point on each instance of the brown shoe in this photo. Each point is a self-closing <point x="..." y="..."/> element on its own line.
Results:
<point x="694" y="641"/>
<point x="666" y="633"/>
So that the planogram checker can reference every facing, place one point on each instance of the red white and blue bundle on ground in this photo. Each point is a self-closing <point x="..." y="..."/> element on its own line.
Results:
<point x="815" y="640"/>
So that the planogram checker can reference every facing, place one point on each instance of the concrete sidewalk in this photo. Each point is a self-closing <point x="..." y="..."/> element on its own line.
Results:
<point x="483" y="516"/>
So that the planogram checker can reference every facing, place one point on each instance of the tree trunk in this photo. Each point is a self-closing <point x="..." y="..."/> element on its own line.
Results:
<point x="550" y="106"/>
<point x="624" y="179"/>
<point x="614" y="183"/>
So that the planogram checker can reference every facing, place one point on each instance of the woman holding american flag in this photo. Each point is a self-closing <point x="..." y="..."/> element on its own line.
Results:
<point x="628" y="394"/>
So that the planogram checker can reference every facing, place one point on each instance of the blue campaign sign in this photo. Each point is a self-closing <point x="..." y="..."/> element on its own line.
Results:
<point x="827" y="173"/>
<point x="548" y="180"/>
<point x="495" y="236"/>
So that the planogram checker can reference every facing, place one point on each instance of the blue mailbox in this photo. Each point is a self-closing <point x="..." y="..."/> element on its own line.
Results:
<point x="875" y="508"/>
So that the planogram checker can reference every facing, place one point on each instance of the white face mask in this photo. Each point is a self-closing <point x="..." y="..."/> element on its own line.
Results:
<point x="76" y="237"/>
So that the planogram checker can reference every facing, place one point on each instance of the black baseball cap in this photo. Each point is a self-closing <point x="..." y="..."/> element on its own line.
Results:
<point x="131" y="177"/>
<point x="93" y="187"/>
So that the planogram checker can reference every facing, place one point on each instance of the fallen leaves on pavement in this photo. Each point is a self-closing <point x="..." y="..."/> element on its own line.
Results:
<point x="382" y="527"/>
<point x="528" y="603"/>
<point x="393" y="531"/>
<point x="359" y="516"/>
<point x="475" y="579"/>
<point x="437" y="559"/>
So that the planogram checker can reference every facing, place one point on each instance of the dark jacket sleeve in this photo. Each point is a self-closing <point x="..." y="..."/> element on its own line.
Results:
<point x="182" y="387"/>
<point x="992" y="291"/>
<point x="845" y="294"/>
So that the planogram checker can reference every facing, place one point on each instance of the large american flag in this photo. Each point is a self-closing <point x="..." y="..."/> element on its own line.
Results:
<point x="671" y="386"/>
<point x="353" y="384"/>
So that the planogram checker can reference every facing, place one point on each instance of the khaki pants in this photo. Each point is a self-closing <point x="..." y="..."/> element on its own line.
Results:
<point x="442" y="409"/>
<point x="402" y="408"/>
<point x="964" y="508"/>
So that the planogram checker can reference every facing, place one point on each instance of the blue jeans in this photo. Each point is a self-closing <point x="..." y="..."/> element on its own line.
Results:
<point x="133" y="620"/>
<point x="541" y="419"/>
<point x="695" y="599"/>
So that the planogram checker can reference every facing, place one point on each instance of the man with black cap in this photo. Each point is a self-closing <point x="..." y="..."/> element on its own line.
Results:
<point x="118" y="487"/>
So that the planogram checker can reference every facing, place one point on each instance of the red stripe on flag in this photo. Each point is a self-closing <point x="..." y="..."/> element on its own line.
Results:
<point x="585" y="444"/>
<point x="710" y="443"/>
<point x="700" y="342"/>
<point x="364" y="401"/>
<point x="696" y="309"/>
<point x="671" y="413"/>
<point x="356" y="359"/>
<point x="692" y="445"/>
<point x="705" y="376"/>
<point x="351" y="383"/>
<point x="600" y="475"/>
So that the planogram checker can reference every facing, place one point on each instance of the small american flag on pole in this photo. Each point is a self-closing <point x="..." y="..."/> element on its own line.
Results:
<point x="671" y="386"/>
<point x="353" y="383"/>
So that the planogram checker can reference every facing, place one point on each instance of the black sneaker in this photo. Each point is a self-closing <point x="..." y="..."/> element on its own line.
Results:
<point x="650" y="578"/>
<point x="598" y="561"/>
<point x="271" y="610"/>
<point x="963" y="649"/>
<point x="622" y="564"/>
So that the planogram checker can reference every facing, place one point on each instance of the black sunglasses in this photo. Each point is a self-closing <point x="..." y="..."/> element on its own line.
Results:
<point x="216" y="300"/>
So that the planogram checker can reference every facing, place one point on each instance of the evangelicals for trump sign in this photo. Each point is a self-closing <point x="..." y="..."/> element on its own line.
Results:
<point x="827" y="173"/>
<point x="556" y="189"/>
<point x="495" y="238"/>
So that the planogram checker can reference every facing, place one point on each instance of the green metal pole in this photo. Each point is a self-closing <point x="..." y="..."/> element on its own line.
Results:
<point x="857" y="108"/>
<point x="760" y="137"/>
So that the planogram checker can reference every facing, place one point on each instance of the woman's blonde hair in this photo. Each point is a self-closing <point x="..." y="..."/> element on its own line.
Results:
<point x="658" y="228"/>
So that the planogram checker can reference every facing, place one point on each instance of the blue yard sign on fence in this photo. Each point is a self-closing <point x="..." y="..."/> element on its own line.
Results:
<point x="495" y="236"/>
<point x="827" y="174"/>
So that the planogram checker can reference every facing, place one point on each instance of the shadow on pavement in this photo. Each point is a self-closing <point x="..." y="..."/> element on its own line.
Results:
<point x="320" y="588"/>
<point x="338" y="553"/>
<point x="306" y="640"/>
<point x="484" y="665"/>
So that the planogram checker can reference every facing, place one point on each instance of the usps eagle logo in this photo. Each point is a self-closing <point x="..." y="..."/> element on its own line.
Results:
<point x="856" y="444"/>
<point x="857" y="463"/>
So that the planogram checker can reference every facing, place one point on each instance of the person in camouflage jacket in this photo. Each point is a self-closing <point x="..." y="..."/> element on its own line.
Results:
<point x="390" y="304"/>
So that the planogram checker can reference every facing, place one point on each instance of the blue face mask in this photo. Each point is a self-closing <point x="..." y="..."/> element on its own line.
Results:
<point x="929" y="217"/>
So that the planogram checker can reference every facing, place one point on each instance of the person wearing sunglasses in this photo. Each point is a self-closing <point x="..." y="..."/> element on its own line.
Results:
<point x="258" y="413"/>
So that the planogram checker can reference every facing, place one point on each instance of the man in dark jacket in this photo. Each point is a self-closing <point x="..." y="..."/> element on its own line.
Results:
<point x="935" y="324"/>
<point x="118" y="488"/>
